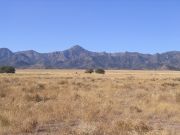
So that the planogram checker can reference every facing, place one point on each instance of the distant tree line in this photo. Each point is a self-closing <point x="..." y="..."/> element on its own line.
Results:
<point x="7" y="69"/>
<point x="99" y="71"/>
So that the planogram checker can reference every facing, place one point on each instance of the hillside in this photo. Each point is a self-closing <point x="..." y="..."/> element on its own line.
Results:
<point x="80" y="58"/>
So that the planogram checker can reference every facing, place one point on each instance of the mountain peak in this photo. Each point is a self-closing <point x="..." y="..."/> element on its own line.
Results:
<point x="5" y="49"/>
<point x="77" y="48"/>
<point x="5" y="52"/>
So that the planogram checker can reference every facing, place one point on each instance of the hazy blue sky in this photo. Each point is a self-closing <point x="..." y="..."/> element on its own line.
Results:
<point x="147" y="26"/>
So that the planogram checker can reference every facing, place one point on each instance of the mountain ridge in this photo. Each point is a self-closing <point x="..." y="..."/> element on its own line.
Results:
<point x="77" y="57"/>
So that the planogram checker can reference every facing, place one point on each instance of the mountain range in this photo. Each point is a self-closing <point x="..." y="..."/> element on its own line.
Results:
<point x="79" y="58"/>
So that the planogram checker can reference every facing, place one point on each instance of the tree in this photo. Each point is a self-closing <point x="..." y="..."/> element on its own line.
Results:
<point x="7" y="69"/>
<point x="89" y="71"/>
<point x="100" y="71"/>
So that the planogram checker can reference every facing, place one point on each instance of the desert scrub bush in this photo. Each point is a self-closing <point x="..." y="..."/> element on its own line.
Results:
<point x="7" y="69"/>
<point x="89" y="71"/>
<point x="100" y="71"/>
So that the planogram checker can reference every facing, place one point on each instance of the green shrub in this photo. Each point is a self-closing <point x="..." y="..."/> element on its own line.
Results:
<point x="89" y="71"/>
<point x="100" y="71"/>
<point x="7" y="69"/>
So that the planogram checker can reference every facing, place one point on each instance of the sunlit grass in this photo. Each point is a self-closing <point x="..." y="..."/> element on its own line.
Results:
<point x="72" y="102"/>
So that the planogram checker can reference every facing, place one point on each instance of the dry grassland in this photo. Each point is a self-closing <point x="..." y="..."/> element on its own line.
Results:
<point x="69" y="102"/>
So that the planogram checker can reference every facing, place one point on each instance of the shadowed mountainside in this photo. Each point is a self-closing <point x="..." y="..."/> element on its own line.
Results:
<point x="79" y="58"/>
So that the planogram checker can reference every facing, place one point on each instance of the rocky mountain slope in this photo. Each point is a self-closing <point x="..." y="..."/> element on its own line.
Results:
<point x="80" y="58"/>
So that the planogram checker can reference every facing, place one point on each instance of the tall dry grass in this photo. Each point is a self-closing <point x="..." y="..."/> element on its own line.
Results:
<point x="63" y="102"/>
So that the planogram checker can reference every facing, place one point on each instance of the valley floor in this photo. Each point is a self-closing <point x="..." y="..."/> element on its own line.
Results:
<point x="70" y="102"/>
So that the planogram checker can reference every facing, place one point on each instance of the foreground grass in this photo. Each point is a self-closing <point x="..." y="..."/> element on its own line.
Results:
<point x="60" y="102"/>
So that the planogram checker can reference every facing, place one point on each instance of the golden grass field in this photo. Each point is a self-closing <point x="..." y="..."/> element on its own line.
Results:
<point x="70" y="102"/>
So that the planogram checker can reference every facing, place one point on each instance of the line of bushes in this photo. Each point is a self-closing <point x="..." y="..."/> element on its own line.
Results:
<point x="7" y="69"/>
<point x="98" y="71"/>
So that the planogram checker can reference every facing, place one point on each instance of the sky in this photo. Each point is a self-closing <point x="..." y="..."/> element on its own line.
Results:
<point x="146" y="26"/>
